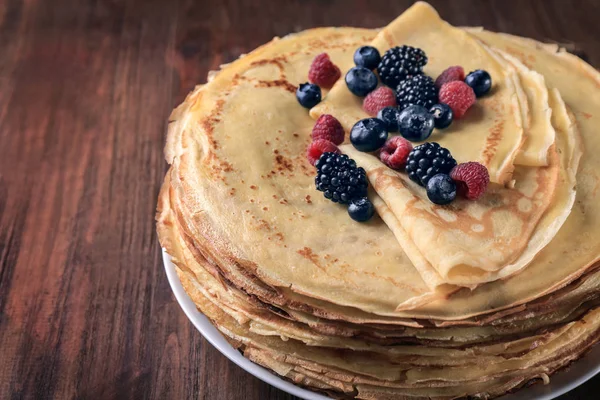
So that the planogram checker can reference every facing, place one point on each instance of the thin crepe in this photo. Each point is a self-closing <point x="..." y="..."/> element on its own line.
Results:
<point x="484" y="240"/>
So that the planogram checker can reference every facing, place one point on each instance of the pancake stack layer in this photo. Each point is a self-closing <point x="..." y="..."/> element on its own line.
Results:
<point x="477" y="298"/>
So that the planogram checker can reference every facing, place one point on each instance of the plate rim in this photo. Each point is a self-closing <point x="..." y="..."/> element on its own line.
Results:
<point x="578" y="373"/>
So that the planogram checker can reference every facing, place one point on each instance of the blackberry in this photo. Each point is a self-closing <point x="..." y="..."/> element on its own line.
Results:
<point x="418" y="90"/>
<point x="399" y="63"/>
<point x="340" y="180"/>
<point x="427" y="160"/>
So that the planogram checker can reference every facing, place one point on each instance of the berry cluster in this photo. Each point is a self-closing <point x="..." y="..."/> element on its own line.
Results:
<point x="410" y="103"/>
<point x="338" y="177"/>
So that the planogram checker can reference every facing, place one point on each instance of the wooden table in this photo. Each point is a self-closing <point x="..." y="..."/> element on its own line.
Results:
<point x="85" y="91"/>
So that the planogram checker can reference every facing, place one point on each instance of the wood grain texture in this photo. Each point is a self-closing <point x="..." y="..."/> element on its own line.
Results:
<point x="86" y="87"/>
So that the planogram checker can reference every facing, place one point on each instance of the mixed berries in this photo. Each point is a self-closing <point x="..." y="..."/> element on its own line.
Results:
<point x="409" y="102"/>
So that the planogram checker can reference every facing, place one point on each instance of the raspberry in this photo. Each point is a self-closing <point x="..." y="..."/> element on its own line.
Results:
<point x="328" y="128"/>
<point x="394" y="152"/>
<point x="318" y="147"/>
<point x="323" y="72"/>
<point x="379" y="98"/>
<point x="472" y="179"/>
<point x="450" y="74"/>
<point x="459" y="96"/>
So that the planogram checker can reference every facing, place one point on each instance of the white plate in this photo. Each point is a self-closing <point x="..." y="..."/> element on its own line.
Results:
<point x="561" y="383"/>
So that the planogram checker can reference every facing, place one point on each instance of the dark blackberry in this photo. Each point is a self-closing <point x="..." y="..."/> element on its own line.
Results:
<point x="399" y="63"/>
<point x="427" y="160"/>
<point x="418" y="90"/>
<point x="339" y="178"/>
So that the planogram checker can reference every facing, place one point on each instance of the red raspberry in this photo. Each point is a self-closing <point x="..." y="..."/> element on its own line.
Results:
<point x="379" y="98"/>
<point x="450" y="74"/>
<point x="328" y="128"/>
<point x="394" y="152"/>
<point x="459" y="96"/>
<point x="472" y="179"/>
<point x="323" y="72"/>
<point x="319" y="147"/>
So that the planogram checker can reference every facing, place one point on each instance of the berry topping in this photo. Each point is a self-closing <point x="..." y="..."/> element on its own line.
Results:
<point x="323" y="72"/>
<point x="308" y="95"/>
<point x="395" y="151"/>
<point x="441" y="189"/>
<point x="361" y="209"/>
<point x="459" y="96"/>
<point x="442" y="115"/>
<point x="367" y="56"/>
<point x="418" y="90"/>
<point x="399" y="63"/>
<point x="318" y="147"/>
<point x="379" y="98"/>
<point x="368" y="134"/>
<point x="480" y="81"/>
<point x="415" y="123"/>
<point x="328" y="128"/>
<point x="389" y="116"/>
<point x="427" y="160"/>
<point x="472" y="179"/>
<point x="361" y="81"/>
<point x="339" y="179"/>
<point x="450" y="74"/>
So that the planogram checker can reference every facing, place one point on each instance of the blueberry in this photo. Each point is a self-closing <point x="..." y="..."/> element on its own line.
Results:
<point x="415" y="123"/>
<point x="480" y="81"/>
<point x="441" y="189"/>
<point x="308" y="95"/>
<point x="368" y="134"/>
<point x="367" y="56"/>
<point x="361" y="81"/>
<point x="361" y="209"/>
<point x="442" y="115"/>
<point x="389" y="116"/>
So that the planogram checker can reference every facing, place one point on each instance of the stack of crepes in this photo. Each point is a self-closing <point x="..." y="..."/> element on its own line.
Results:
<point x="477" y="298"/>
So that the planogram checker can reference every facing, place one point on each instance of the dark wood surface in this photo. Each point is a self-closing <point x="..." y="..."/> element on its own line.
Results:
<point x="85" y="91"/>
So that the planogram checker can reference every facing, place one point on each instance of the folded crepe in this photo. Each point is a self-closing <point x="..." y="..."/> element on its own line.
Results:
<point x="484" y="240"/>
<point x="492" y="131"/>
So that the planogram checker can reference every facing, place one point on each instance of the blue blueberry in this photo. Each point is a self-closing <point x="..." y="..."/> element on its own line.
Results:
<point x="415" y="123"/>
<point x="389" y="116"/>
<point x="361" y="209"/>
<point x="368" y="134"/>
<point x="441" y="189"/>
<point x="367" y="56"/>
<point x="308" y="95"/>
<point x="442" y="115"/>
<point x="480" y="81"/>
<point x="361" y="81"/>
